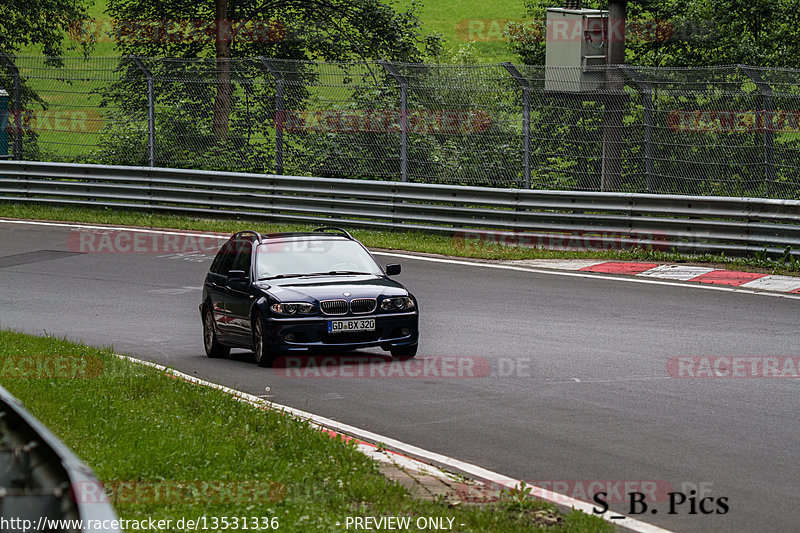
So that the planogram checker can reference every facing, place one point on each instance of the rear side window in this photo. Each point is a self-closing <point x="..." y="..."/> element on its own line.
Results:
<point x="224" y="260"/>
<point x="243" y="259"/>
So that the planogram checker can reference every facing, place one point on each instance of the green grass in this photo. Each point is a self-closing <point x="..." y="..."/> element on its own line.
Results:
<point x="132" y="423"/>
<point x="411" y="241"/>
<point x="464" y="21"/>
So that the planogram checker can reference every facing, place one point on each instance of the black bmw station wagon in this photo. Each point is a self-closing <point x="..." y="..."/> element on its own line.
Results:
<point x="283" y="293"/>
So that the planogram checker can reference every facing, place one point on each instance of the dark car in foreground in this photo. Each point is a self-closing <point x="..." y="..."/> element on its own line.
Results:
<point x="287" y="293"/>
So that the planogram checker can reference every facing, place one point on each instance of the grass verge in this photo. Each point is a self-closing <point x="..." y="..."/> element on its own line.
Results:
<point x="136" y="425"/>
<point x="408" y="241"/>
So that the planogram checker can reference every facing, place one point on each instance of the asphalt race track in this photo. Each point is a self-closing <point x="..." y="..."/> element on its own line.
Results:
<point x="578" y="388"/>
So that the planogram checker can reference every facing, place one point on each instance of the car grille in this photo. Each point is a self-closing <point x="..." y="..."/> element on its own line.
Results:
<point x="363" y="305"/>
<point x="334" y="307"/>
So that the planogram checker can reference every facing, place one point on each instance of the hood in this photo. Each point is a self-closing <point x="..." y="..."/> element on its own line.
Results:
<point x="332" y="287"/>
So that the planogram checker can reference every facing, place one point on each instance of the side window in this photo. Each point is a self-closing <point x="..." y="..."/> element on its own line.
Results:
<point x="224" y="260"/>
<point x="243" y="259"/>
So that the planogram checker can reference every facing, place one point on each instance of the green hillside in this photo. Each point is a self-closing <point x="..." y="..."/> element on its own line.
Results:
<point x="459" y="21"/>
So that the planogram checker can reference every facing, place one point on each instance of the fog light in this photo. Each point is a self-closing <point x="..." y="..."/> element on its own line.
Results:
<point x="405" y="332"/>
<point x="289" y="337"/>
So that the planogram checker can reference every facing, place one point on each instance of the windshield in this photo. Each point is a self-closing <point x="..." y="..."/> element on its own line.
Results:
<point x="313" y="257"/>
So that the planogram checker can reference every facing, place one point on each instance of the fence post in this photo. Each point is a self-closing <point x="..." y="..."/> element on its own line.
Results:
<point x="526" y="120"/>
<point x="280" y="116"/>
<point x="767" y="109"/>
<point x="16" y="105"/>
<point x="151" y="110"/>
<point x="403" y="81"/>
<point x="647" y="94"/>
<point x="613" y="102"/>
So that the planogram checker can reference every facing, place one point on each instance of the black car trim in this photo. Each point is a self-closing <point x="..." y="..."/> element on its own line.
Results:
<point x="320" y="318"/>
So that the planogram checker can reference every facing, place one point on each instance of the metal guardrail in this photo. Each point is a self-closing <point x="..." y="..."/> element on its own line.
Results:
<point x="734" y="226"/>
<point x="41" y="477"/>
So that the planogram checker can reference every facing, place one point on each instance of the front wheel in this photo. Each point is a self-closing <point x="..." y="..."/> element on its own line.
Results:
<point x="404" y="352"/>
<point x="212" y="346"/>
<point x="261" y="352"/>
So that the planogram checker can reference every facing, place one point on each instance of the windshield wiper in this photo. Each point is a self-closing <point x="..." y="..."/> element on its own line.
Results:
<point x="279" y="276"/>
<point x="310" y="274"/>
<point x="338" y="272"/>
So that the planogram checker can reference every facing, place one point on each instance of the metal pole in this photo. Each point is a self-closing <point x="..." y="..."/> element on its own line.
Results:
<point x="526" y="121"/>
<point x="280" y="114"/>
<point x="403" y="81"/>
<point x="151" y="111"/>
<point x="647" y="95"/>
<point x="612" y="116"/>
<point x="767" y="109"/>
<point x="16" y="105"/>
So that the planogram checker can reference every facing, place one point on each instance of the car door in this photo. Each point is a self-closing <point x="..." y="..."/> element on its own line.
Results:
<point x="238" y="296"/>
<point x="216" y="287"/>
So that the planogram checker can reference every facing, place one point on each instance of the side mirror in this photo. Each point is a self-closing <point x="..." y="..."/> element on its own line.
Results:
<point x="237" y="276"/>
<point x="392" y="269"/>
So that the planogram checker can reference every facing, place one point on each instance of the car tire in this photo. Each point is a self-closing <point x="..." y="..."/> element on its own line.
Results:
<point x="404" y="352"/>
<point x="210" y="342"/>
<point x="261" y="352"/>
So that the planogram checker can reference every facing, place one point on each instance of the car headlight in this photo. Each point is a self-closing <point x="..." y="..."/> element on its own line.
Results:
<point x="293" y="308"/>
<point x="397" y="303"/>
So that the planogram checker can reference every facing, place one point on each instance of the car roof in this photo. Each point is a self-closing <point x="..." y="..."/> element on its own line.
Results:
<point x="324" y="233"/>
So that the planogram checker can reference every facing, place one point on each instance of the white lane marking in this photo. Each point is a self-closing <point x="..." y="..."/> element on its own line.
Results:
<point x="176" y="291"/>
<point x="463" y="262"/>
<point x="676" y="272"/>
<point x="558" y="264"/>
<point x="564" y="503"/>
<point x="616" y="380"/>
<point x="585" y="274"/>
<point x="774" y="283"/>
<point x="118" y="228"/>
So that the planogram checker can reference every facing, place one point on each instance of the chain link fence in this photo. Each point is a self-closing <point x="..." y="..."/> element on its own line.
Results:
<point x="732" y="131"/>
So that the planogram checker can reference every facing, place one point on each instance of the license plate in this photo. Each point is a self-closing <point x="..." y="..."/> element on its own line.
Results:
<point x="340" y="326"/>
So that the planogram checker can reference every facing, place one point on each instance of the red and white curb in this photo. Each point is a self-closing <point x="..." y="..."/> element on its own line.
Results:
<point x="408" y="456"/>
<point x="689" y="273"/>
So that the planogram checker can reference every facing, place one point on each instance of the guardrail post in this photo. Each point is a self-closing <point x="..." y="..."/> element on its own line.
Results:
<point x="16" y="105"/>
<point x="526" y="121"/>
<point x="280" y="114"/>
<point x="403" y="81"/>
<point x="151" y="110"/>
<point x="767" y="110"/>
<point x="647" y="95"/>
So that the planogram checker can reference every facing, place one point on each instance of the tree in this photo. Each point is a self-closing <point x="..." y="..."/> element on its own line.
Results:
<point x="680" y="33"/>
<point x="38" y="22"/>
<point x="291" y="29"/>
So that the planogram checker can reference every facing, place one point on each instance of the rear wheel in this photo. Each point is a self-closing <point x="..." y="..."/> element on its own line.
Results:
<point x="404" y="352"/>
<point x="213" y="348"/>
<point x="261" y="352"/>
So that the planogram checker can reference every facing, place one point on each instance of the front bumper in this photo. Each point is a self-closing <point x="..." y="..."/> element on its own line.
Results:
<point x="312" y="333"/>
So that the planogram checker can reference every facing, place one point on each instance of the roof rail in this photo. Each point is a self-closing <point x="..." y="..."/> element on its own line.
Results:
<point x="249" y="231"/>
<point x="333" y="228"/>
